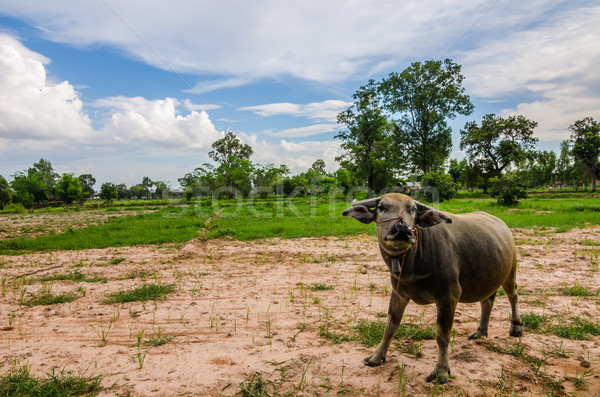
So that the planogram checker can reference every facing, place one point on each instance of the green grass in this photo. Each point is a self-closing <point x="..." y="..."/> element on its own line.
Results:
<point x="19" y="382"/>
<point x="287" y="218"/>
<point x="169" y="225"/>
<point x="320" y="287"/>
<point x="369" y="333"/>
<point x="533" y="321"/>
<point x="75" y="276"/>
<point x="579" y="328"/>
<point x="562" y="214"/>
<point x="577" y="290"/>
<point x="303" y="217"/>
<point x="46" y="298"/>
<point x="141" y="294"/>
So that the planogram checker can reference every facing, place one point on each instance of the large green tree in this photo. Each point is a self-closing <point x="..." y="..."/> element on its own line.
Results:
<point x="235" y="169"/>
<point x="108" y="192"/>
<point x="226" y="149"/>
<point x="87" y="182"/>
<point x="420" y="100"/>
<point x="497" y="143"/>
<point x="585" y="138"/>
<point x="366" y="141"/>
<point x="69" y="189"/>
<point x="46" y="171"/>
<point x="29" y="188"/>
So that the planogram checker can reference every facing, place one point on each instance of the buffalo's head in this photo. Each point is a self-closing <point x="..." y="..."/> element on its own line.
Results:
<point x="397" y="217"/>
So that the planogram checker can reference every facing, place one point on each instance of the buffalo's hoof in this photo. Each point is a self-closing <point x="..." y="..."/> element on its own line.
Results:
<point x="440" y="380"/>
<point x="370" y="363"/>
<point x="478" y="334"/>
<point x="516" y="334"/>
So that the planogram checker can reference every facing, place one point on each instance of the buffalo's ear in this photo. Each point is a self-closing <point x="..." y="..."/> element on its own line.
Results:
<point x="428" y="216"/>
<point x="360" y="213"/>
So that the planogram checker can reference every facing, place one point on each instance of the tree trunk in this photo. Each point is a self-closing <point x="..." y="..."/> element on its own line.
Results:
<point x="593" y="179"/>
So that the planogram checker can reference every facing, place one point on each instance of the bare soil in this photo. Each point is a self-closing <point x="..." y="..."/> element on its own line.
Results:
<point x="35" y="224"/>
<point x="253" y="311"/>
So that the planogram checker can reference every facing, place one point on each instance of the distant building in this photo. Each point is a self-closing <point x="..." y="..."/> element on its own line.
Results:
<point x="412" y="186"/>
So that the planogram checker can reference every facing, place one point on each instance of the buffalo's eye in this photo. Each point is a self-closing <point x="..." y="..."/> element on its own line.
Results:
<point x="381" y="208"/>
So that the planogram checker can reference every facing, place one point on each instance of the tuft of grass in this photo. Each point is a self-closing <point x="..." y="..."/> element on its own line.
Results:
<point x="46" y="298"/>
<point x="533" y="321"/>
<point x="333" y="337"/>
<point x="415" y="332"/>
<point x="19" y="382"/>
<point x="369" y="333"/>
<point x="147" y="292"/>
<point x="256" y="386"/>
<point x="116" y="260"/>
<point x="579" y="329"/>
<point x="75" y="276"/>
<point x="577" y="290"/>
<point x="159" y="339"/>
<point x="320" y="287"/>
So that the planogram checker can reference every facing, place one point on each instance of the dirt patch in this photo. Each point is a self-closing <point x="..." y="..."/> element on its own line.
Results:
<point x="248" y="312"/>
<point x="35" y="224"/>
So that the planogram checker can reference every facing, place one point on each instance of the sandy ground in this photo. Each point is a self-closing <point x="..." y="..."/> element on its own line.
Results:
<point x="242" y="310"/>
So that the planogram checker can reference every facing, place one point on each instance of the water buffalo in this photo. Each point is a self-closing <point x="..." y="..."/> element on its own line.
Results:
<point x="442" y="258"/>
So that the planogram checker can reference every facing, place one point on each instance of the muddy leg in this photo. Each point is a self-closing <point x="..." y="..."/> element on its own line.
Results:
<point x="445" y="318"/>
<point x="486" y="310"/>
<point x="396" y="310"/>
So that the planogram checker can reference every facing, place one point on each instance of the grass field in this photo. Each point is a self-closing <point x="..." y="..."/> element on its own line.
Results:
<point x="301" y="217"/>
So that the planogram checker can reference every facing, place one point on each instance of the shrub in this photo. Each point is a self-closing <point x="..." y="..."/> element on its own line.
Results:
<point x="13" y="208"/>
<point x="438" y="184"/>
<point x="508" y="188"/>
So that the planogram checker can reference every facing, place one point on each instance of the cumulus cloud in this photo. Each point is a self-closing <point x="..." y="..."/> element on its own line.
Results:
<point x="31" y="107"/>
<point x="50" y="119"/>
<point x="156" y="122"/>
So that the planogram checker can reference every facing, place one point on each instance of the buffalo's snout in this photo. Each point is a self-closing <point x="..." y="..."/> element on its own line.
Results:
<point x="400" y="232"/>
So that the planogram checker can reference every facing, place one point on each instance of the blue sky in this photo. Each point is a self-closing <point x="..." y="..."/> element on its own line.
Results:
<point x="130" y="89"/>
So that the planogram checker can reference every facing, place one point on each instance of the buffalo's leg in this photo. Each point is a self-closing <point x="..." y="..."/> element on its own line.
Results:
<point x="510" y="286"/>
<point x="486" y="310"/>
<point x="395" y="311"/>
<point x="445" y="318"/>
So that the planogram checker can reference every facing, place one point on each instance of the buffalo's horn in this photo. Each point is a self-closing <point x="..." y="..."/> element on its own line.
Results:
<point x="369" y="203"/>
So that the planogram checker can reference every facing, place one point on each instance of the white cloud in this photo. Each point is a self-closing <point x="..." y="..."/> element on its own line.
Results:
<point x="212" y="85"/>
<point x="24" y="52"/>
<point x="192" y="106"/>
<point x="554" y="63"/>
<point x="302" y="132"/>
<point x="238" y="42"/>
<point x="157" y="123"/>
<point x="298" y="156"/>
<point x="31" y="107"/>
<point x="326" y="110"/>
<point x="41" y="118"/>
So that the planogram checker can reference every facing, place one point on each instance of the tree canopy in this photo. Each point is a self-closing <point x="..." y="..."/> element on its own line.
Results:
<point x="498" y="142"/>
<point x="585" y="138"/>
<point x="366" y="140"/>
<point x="419" y="101"/>
<point x="69" y="189"/>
